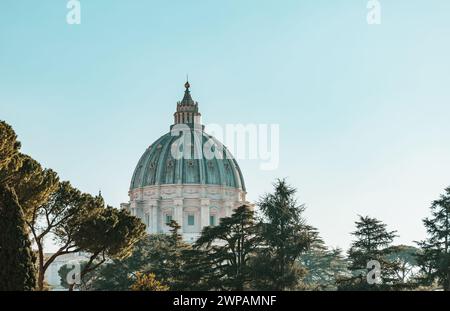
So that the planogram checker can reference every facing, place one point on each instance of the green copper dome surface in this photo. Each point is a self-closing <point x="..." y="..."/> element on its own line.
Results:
<point x="158" y="166"/>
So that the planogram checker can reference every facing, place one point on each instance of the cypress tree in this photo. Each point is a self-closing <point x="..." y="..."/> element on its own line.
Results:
<point x="17" y="269"/>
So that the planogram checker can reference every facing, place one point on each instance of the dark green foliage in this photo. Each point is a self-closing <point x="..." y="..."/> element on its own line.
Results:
<point x="148" y="255"/>
<point x="10" y="161"/>
<point x="79" y="222"/>
<point x="60" y="217"/>
<point x="85" y="281"/>
<point x="33" y="185"/>
<point x="17" y="270"/>
<point x="285" y="237"/>
<point x="403" y="265"/>
<point x="109" y="233"/>
<point x="435" y="257"/>
<point x="171" y="260"/>
<point x="324" y="267"/>
<point x="226" y="250"/>
<point x="160" y="254"/>
<point x="117" y="275"/>
<point x="372" y="243"/>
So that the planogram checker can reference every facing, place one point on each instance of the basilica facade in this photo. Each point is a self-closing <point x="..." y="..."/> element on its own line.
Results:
<point x="187" y="176"/>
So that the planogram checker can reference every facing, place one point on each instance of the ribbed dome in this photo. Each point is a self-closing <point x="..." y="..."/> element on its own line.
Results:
<point x="158" y="166"/>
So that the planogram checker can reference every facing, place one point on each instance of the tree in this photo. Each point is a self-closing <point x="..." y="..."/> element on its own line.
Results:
<point x="170" y="261"/>
<point x="435" y="257"/>
<point x="49" y="208"/>
<point x="198" y="272"/>
<point x="371" y="244"/>
<point x="67" y="270"/>
<point x="228" y="248"/>
<point x="148" y="282"/>
<point x="79" y="222"/>
<point x="403" y="264"/>
<point x="324" y="267"/>
<point x="33" y="185"/>
<point x="286" y="236"/>
<point x="17" y="270"/>
<point x="60" y="218"/>
<point x="9" y="152"/>
<point x="156" y="253"/>
<point x="119" y="274"/>
<point x="111" y="233"/>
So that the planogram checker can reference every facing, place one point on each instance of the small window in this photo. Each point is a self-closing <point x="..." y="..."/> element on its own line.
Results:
<point x="212" y="220"/>
<point x="191" y="220"/>
<point x="168" y="219"/>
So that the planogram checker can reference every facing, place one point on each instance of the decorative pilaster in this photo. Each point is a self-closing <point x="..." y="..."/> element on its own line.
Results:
<point x="147" y="211"/>
<point x="154" y="220"/>
<point x="178" y="212"/>
<point x="151" y="211"/>
<point x="204" y="213"/>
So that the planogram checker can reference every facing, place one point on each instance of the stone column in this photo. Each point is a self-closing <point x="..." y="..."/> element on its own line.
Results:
<point x="204" y="213"/>
<point x="153" y="212"/>
<point x="154" y="220"/>
<point x="148" y="218"/>
<point x="178" y="212"/>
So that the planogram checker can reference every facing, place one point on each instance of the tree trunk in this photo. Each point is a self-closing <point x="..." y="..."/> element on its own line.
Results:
<point x="447" y="283"/>
<point x="41" y="272"/>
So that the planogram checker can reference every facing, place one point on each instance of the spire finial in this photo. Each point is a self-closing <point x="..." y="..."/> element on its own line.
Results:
<point x="187" y="85"/>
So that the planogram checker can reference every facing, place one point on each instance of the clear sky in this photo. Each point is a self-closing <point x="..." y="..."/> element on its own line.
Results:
<point x="363" y="110"/>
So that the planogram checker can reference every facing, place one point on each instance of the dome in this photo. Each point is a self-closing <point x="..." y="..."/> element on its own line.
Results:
<point x="158" y="166"/>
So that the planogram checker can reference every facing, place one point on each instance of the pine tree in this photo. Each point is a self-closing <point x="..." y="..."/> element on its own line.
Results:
<point x="286" y="236"/>
<point x="435" y="257"/>
<point x="17" y="270"/>
<point x="228" y="248"/>
<point x="172" y="262"/>
<point x="324" y="267"/>
<point x="371" y="244"/>
<point x="110" y="233"/>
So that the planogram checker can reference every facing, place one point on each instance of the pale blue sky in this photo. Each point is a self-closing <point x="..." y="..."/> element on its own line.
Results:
<point x="363" y="110"/>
